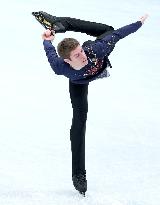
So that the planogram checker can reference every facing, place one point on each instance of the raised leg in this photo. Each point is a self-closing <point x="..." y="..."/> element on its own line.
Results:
<point x="63" y="24"/>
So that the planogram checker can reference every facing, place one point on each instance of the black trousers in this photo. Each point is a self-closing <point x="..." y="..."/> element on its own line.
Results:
<point x="90" y="28"/>
<point x="79" y="94"/>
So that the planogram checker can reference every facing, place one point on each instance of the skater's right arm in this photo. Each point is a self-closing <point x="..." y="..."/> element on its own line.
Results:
<point x="55" y="61"/>
<point x="59" y="66"/>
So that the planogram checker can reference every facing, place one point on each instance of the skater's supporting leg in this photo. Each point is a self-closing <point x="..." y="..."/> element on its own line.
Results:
<point x="78" y="95"/>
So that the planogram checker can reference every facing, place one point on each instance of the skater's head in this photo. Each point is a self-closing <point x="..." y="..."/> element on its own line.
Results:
<point x="70" y="50"/>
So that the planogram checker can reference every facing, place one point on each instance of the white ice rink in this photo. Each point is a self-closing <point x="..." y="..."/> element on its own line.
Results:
<point x="123" y="127"/>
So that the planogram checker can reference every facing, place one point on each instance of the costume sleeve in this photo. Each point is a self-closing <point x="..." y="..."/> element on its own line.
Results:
<point x="58" y="65"/>
<point x="56" y="62"/>
<point x="105" y="46"/>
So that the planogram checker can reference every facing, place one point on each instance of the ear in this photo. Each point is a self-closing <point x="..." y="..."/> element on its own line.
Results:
<point x="67" y="60"/>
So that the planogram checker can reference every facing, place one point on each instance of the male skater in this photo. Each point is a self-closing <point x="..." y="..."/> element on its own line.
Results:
<point x="81" y="64"/>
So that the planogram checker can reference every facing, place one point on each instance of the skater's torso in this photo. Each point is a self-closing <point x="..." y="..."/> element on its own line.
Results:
<point x="97" y="54"/>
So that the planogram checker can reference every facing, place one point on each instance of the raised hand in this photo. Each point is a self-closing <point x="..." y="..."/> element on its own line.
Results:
<point x="143" y="18"/>
<point x="48" y="35"/>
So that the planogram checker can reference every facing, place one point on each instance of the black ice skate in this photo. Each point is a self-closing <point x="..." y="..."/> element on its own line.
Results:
<point x="80" y="183"/>
<point x="49" y="22"/>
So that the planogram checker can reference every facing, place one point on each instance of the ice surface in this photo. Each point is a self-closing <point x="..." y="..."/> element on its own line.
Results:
<point x="123" y="127"/>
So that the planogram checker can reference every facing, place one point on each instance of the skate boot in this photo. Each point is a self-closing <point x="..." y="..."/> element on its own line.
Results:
<point x="49" y="22"/>
<point x="80" y="183"/>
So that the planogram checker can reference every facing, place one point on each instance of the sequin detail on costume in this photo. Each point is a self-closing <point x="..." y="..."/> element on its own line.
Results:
<point x="95" y="68"/>
<point x="97" y="65"/>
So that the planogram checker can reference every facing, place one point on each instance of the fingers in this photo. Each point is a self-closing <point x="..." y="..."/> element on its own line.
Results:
<point x="53" y="32"/>
<point x="143" y="18"/>
<point x="48" y="35"/>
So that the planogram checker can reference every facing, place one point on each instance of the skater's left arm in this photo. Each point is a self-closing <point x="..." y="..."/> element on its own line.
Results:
<point x="105" y="46"/>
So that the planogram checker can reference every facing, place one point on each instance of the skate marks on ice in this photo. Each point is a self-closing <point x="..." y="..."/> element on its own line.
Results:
<point x="97" y="198"/>
<point x="73" y="197"/>
<point x="94" y="198"/>
<point x="61" y="197"/>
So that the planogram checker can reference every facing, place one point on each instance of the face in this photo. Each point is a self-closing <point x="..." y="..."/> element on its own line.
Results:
<point x="78" y="58"/>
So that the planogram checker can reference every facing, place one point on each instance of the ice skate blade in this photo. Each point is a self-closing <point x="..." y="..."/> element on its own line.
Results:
<point x="82" y="193"/>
